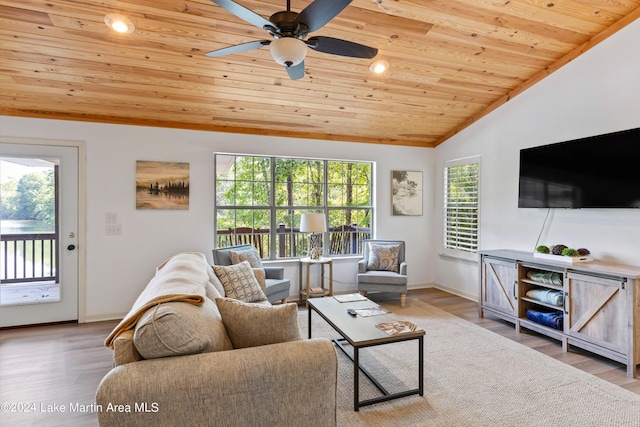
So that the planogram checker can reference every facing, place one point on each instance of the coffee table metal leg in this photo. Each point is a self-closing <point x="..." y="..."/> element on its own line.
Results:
<point x="421" y="366"/>
<point x="356" y="379"/>
<point x="309" y="309"/>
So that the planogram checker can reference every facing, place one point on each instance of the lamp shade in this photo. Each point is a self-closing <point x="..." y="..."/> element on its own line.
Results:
<point x="288" y="51"/>
<point x="313" y="223"/>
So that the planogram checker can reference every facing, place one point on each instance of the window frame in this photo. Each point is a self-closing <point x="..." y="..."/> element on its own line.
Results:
<point x="321" y="205"/>
<point x="451" y="247"/>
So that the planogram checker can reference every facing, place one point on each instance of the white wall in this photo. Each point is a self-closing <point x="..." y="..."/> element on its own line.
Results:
<point x="597" y="93"/>
<point x="118" y="267"/>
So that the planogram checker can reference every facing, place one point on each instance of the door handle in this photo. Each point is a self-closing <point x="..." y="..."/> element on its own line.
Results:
<point x="71" y="247"/>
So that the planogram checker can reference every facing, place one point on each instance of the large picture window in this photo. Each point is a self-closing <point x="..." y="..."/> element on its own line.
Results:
<point x="461" y="205"/>
<point x="259" y="201"/>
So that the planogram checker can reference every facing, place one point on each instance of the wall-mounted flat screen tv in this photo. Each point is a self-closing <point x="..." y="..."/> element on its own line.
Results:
<point x="596" y="172"/>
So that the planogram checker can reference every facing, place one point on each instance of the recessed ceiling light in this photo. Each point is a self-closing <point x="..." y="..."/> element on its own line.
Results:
<point x="119" y="23"/>
<point x="379" y="66"/>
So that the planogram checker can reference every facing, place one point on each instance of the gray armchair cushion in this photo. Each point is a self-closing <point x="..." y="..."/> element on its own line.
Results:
<point x="221" y="256"/>
<point x="382" y="277"/>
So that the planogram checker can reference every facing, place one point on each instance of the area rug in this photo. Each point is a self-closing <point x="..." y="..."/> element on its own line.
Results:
<point x="473" y="377"/>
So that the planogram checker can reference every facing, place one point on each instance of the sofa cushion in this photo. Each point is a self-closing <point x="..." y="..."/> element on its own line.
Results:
<point x="240" y="282"/>
<point x="251" y="255"/>
<point x="383" y="257"/>
<point x="178" y="328"/>
<point x="252" y="325"/>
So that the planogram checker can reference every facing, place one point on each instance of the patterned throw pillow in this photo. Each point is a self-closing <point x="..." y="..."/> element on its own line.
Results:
<point x="251" y="325"/>
<point x="250" y="255"/>
<point x="383" y="257"/>
<point x="239" y="282"/>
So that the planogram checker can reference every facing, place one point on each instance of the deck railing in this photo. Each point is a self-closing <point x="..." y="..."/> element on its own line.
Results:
<point x="291" y="243"/>
<point x="28" y="258"/>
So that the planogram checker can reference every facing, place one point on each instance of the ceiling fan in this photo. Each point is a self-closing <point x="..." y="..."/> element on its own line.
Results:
<point x="289" y="31"/>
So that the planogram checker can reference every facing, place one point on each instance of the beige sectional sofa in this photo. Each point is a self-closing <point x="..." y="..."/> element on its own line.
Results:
<point x="186" y="355"/>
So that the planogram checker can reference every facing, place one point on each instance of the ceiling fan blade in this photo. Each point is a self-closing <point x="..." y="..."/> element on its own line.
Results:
<point x="296" y="72"/>
<point x="318" y="13"/>
<point x="243" y="13"/>
<point x="341" y="47"/>
<point x="239" y="48"/>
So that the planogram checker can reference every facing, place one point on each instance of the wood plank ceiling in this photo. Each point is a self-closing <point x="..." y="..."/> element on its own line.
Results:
<point x="452" y="61"/>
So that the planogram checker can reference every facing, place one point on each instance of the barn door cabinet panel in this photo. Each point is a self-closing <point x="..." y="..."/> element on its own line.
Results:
<point x="594" y="306"/>
<point x="499" y="286"/>
<point x="597" y="313"/>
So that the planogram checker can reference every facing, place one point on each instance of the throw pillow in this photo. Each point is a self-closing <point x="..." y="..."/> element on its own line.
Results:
<point x="179" y="328"/>
<point x="383" y="257"/>
<point x="261" y="277"/>
<point x="239" y="282"/>
<point x="250" y="255"/>
<point x="252" y="325"/>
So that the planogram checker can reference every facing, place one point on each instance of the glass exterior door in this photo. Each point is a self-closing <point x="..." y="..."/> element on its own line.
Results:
<point x="38" y="230"/>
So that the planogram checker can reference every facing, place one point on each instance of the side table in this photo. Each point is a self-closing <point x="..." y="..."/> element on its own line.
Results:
<point x="307" y="291"/>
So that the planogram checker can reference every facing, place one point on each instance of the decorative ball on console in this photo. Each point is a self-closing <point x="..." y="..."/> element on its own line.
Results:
<point x="583" y="252"/>
<point x="543" y="249"/>
<point x="570" y="252"/>
<point x="557" y="249"/>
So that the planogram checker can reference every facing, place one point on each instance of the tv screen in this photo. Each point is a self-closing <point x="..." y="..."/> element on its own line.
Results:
<point x="596" y="172"/>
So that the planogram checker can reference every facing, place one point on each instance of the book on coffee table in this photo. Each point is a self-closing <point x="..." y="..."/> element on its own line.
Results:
<point x="397" y="327"/>
<point x="371" y="311"/>
<point x="350" y="297"/>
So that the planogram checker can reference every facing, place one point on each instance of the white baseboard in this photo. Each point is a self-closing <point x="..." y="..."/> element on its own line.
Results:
<point x="457" y="292"/>
<point x="453" y="291"/>
<point x="103" y="317"/>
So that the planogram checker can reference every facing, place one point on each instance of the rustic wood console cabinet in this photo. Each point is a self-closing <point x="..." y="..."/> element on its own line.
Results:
<point x="591" y="305"/>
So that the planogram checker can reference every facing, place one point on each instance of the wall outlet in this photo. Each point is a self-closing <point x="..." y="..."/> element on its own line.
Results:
<point x="113" y="229"/>
<point x="111" y="218"/>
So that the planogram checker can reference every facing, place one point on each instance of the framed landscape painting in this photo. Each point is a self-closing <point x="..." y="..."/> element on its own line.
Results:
<point x="162" y="185"/>
<point x="406" y="193"/>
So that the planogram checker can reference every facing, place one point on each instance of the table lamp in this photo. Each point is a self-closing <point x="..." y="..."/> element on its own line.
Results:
<point x="313" y="223"/>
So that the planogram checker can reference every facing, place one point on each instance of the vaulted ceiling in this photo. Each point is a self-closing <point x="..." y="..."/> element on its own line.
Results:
<point x="451" y="62"/>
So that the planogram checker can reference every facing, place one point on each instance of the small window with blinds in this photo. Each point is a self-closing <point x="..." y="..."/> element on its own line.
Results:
<point x="461" y="205"/>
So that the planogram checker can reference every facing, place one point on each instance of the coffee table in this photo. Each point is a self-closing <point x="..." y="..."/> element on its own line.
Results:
<point x="361" y="332"/>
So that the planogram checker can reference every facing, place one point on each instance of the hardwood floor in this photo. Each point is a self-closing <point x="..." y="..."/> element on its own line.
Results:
<point x="48" y="369"/>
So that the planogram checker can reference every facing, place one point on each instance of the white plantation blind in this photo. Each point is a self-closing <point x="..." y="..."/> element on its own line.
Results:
<point x="461" y="206"/>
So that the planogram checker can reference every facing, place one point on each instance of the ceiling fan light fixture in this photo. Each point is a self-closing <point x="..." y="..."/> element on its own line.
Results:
<point x="288" y="51"/>
<point x="379" y="66"/>
<point x="119" y="23"/>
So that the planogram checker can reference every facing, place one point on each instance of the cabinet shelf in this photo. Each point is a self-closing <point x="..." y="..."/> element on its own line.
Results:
<point x="542" y="329"/>
<point x="542" y="285"/>
<point x="543" y="304"/>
